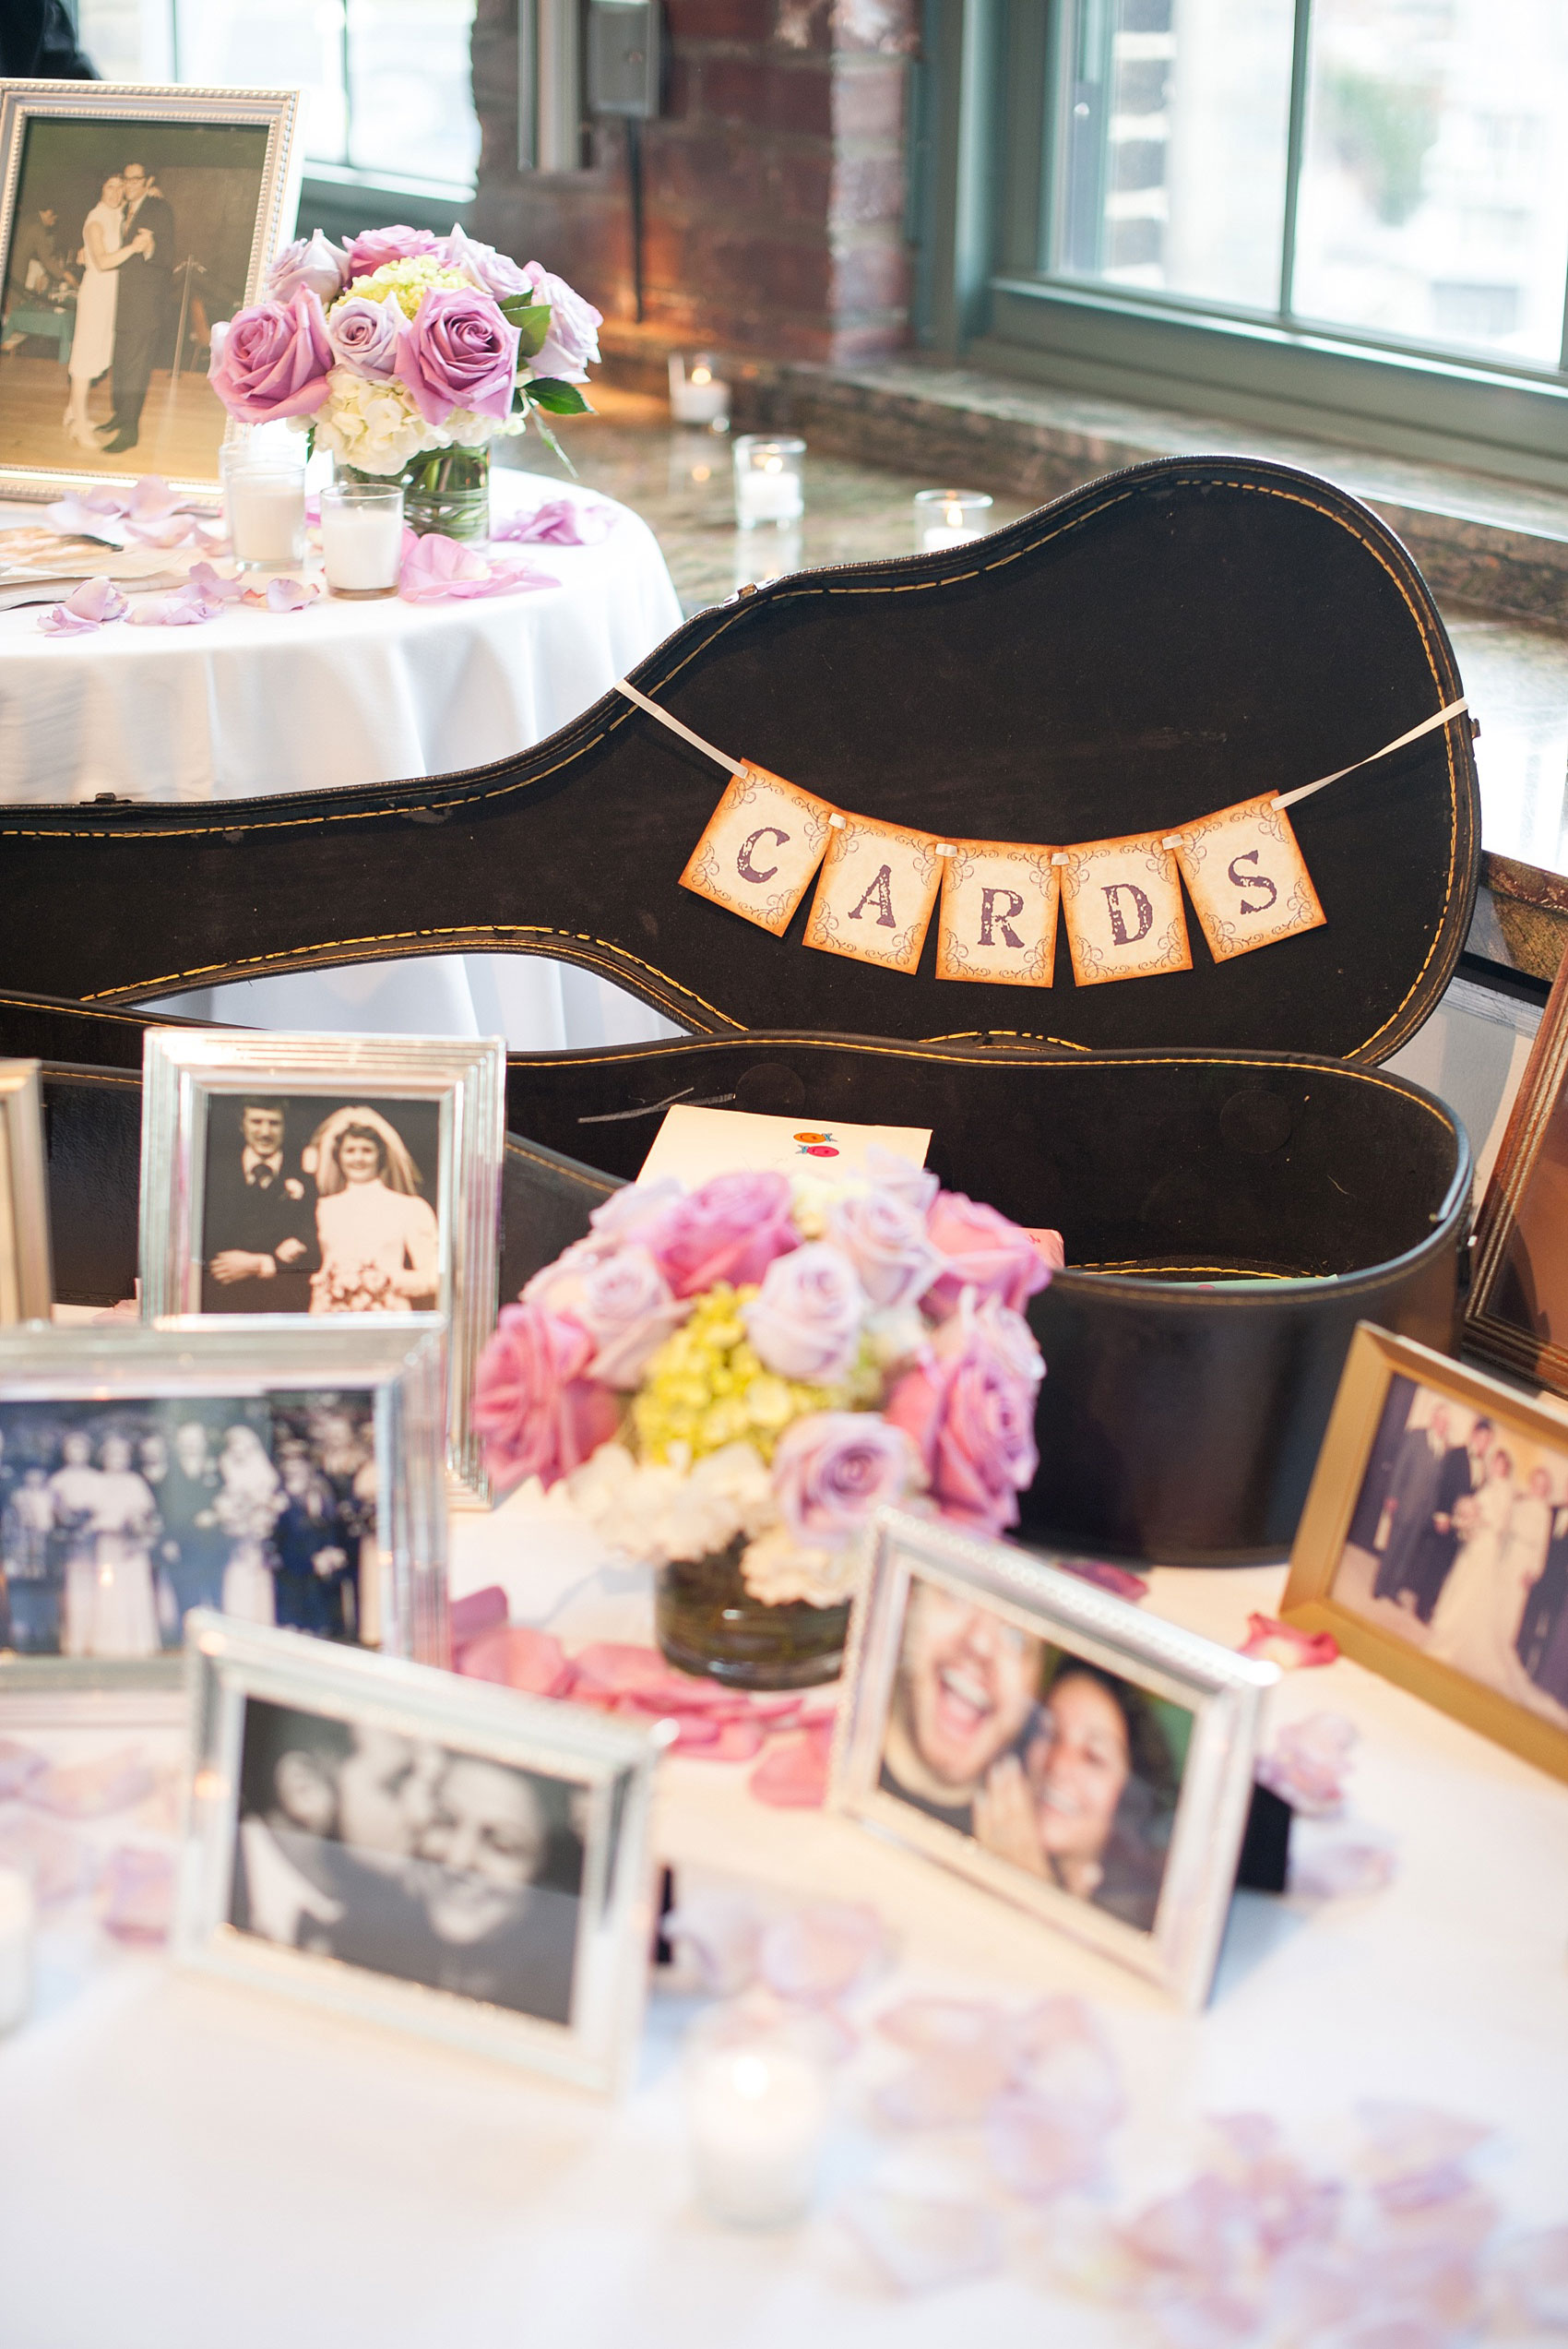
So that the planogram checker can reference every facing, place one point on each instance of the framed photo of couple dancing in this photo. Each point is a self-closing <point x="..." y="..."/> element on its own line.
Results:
<point x="289" y="1478"/>
<point x="134" y="219"/>
<point x="419" y="1851"/>
<point x="1050" y="1742"/>
<point x="322" y="1177"/>
<point x="1434" y="1542"/>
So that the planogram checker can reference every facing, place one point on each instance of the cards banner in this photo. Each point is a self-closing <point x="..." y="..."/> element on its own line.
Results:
<point x="763" y="842"/>
<point x="1247" y="878"/>
<point x="997" y="918"/>
<point x="1122" y="901"/>
<point x="874" y="897"/>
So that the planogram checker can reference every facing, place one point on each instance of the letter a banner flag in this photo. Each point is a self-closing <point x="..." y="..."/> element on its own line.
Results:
<point x="1247" y="878"/>
<point x="763" y="842"/>
<point x="997" y="918"/>
<point x="1122" y="900"/>
<point x="873" y="900"/>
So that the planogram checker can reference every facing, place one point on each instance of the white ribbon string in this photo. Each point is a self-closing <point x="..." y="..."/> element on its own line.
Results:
<point x="1427" y="726"/>
<point x="675" y="727"/>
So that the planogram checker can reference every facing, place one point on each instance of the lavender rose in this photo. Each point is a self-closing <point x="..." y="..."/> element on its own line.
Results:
<point x="831" y="1469"/>
<point x="916" y="1185"/>
<point x="274" y="360"/>
<point x="627" y="1308"/>
<point x="984" y="1252"/>
<point x="490" y="270"/>
<point x="805" y="1320"/>
<point x="573" y="339"/>
<point x="884" y="1239"/>
<point x="372" y="251"/>
<point x="535" y="1405"/>
<point x="969" y="1408"/>
<point x="312" y="261"/>
<point x="458" y="352"/>
<point x="729" y="1230"/>
<point x="638" y="1212"/>
<point x="365" y="334"/>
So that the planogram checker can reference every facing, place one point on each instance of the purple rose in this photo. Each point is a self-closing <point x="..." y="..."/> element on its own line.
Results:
<point x="884" y="1239"/>
<point x="638" y="1212"/>
<point x="534" y="1403"/>
<point x="274" y="360"/>
<point x="490" y="270"/>
<point x="805" y="1320"/>
<point x="969" y="1407"/>
<point x="831" y="1469"/>
<point x="984" y="1252"/>
<point x="627" y="1309"/>
<point x="365" y="334"/>
<point x="311" y="261"/>
<point x="573" y="339"/>
<point x="729" y="1230"/>
<point x="916" y="1185"/>
<point x="372" y="251"/>
<point x="458" y="352"/>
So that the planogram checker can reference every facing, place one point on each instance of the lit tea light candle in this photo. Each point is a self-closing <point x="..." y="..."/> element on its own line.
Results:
<point x="698" y="394"/>
<point x="18" y="1920"/>
<point x="756" y="2104"/>
<point x="265" y="502"/>
<point x="768" y="487"/>
<point x="362" y="538"/>
<point x="949" y="518"/>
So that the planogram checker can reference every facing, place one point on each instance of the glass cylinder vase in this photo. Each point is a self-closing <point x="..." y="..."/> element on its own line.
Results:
<point x="446" y="491"/>
<point x="708" y="1622"/>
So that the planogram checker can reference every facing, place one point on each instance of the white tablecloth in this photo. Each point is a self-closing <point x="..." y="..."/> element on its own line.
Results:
<point x="182" y="2163"/>
<point x="351" y="693"/>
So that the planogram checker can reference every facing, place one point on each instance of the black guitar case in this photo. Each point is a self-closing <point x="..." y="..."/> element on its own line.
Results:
<point x="1237" y="1181"/>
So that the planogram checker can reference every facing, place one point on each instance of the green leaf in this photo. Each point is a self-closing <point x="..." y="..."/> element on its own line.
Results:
<point x="561" y="398"/>
<point x="531" y="317"/>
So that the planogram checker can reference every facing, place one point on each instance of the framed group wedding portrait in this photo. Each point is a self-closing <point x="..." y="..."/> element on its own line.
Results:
<point x="134" y="221"/>
<point x="26" y="1277"/>
<point x="1044" y="1739"/>
<point x="1517" y="1316"/>
<point x="420" y="1851"/>
<point x="316" y="1177"/>
<point x="282" y="1478"/>
<point x="1434" y="1542"/>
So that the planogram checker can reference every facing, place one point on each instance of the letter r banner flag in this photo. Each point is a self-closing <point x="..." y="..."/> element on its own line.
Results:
<point x="1122" y="900"/>
<point x="763" y="842"/>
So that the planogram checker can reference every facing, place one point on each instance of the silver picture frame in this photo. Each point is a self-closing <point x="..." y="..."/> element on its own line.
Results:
<point x="186" y="1070"/>
<point x="25" y="1272"/>
<point x="606" y="1768"/>
<point x="398" y="1363"/>
<point x="139" y="106"/>
<point x="1224" y="1693"/>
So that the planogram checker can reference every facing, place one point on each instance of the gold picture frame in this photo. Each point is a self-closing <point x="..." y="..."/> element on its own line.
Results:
<point x="1519" y="1289"/>
<point x="1392" y="1389"/>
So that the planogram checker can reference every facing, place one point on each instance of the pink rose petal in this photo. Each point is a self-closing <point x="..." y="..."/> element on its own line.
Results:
<point x="1402" y="2136"/>
<point x="139" y="1885"/>
<point x="1309" y="1762"/>
<point x="560" y="521"/>
<point x="793" y="1773"/>
<point x="513" y="1656"/>
<point x="722" y="1934"/>
<point x="1281" y="1644"/>
<point x="1035" y="2151"/>
<point x="436" y="567"/>
<point x="57" y="1864"/>
<point x="1340" y="1868"/>
<point x="214" y="586"/>
<point x="289" y="595"/>
<point x="824" y="1951"/>
<point x="19" y="1763"/>
<point x="89" y="606"/>
<point x="920" y="2244"/>
<point x="92" y="1790"/>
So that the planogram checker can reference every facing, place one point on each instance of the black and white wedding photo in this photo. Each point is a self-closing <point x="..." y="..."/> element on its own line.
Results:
<point x="320" y="1205"/>
<point x="407" y="1857"/>
<point x="118" y="1517"/>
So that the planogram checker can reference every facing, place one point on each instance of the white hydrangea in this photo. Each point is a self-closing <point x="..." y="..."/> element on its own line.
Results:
<point x="375" y="427"/>
<point x="661" y="1513"/>
<point x="777" y="1568"/>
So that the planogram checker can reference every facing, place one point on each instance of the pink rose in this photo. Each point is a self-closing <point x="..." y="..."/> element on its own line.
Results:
<point x="627" y="1309"/>
<point x="490" y="270"/>
<point x="539" y="1411"/>
<point x="275" y="360"/>
<point x="805" y="1320"/>
<point x="573" y="339"/>
<point x="638" y="1212"/>
<point x="458" y="352"/>
<point x="916" y="1185"/>
<point x="984" y="1252"/>
<point x="365" y="334"/>
<point x="833" y="1469"/>
<point x="313" y="261"/>
<point x="372" y="251"/>
<point x="729" y="1230"/>
<point x="884" y="1239"/>
<point x="969" y="1407"/>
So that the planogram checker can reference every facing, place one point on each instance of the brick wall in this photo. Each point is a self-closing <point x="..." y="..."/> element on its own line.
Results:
<point x="773" y="183"/>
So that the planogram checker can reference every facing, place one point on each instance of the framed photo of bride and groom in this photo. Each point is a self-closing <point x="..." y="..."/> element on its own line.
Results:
<point x="134" y="219"/>
<point x="1434" y="1542"/>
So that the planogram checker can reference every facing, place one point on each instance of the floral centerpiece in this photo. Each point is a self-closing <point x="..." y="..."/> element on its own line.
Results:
<point x="407" y="355"/>
<point x="730" y="1382"/>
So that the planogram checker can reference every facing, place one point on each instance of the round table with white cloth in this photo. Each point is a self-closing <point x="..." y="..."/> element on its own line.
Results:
<point x="347" y="692"/>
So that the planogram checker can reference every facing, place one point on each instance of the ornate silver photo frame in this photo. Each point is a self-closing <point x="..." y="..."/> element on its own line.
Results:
<point x="320" y="1178"/>
<point x="419" y="1851"/>
<point x="25" y="1275"/>
<point x="246" y="1465"/>
<point x="134" y="219"/>
<point x="1052" y="1744"/>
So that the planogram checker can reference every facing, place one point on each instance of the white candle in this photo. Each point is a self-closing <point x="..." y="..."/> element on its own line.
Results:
<point x="266" y="514"/>
<point x="17" y="1915"/>
<point x="699" y="397"/>
<point x="947" y="534"/>
<point x="764" y="494"/>
<point x="362" y="542"/>
<point x="949" y="518"/>
<point x="756" y="2111"/>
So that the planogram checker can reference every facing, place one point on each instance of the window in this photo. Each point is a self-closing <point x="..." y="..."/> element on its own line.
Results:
<point x="386" y="81"/>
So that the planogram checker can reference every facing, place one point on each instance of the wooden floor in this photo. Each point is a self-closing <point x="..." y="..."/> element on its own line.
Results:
<point x="179" y="437"/>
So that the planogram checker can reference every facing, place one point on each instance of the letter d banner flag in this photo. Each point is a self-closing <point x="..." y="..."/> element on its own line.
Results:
<point x="1122" y="900"/>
